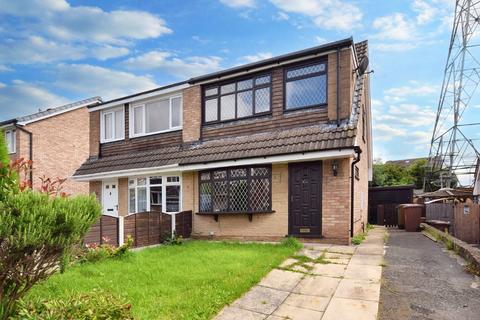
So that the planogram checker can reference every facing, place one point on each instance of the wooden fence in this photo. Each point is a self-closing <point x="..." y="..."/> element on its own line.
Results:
<point x="105" y="230"/>
<point x="442" y="212"/>
<point x="147" y="228"/>
<point x="467" y="222"/>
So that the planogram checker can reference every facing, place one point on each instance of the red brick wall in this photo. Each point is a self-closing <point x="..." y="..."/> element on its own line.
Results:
<point x="60" y="146"/>
<point x="192" y="113"/>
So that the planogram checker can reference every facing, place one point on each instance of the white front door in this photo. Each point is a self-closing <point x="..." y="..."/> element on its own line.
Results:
<point x="110" y="198"/>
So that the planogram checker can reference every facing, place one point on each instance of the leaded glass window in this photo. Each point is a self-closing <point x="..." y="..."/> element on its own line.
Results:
<point x="306" y="86"/>
<point x="240" y="189"/>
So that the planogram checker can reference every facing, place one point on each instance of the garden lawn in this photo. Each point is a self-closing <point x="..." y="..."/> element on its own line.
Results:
<point x="191" y="281"/>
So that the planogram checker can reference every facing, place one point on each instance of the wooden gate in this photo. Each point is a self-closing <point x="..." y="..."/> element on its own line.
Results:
<point x="387" y="214"/>
<point x="467" y="222"/>
<point x="382" y="203"/>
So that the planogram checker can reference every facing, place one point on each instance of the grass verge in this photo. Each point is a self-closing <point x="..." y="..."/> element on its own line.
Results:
<point x="192" y="281"/>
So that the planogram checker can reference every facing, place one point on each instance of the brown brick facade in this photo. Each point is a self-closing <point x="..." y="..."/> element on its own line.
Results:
<point x="192" y="114"/>
<point x="60" y="146"/>
<point x="345" y="84"/>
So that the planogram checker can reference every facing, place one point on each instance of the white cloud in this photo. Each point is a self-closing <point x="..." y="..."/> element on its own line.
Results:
<point x="328" y="14"/>
<point x="394" y="27"/>
<point x="168" y="62"/>
<point x="239" y="3"/>
<point x="409" y="115"/>
<point x="4" y="68"/>
<point x="320" y="40"/>
<point x="21" y="97"/>
<point x="281" y="16"/>
<point x="395" y="47"/>
<point x="384" y="132"/>
<point x="108" y="52"/>
<point x="35" y="49"/>
<point x="255" y="57"/>
<point x="399" y="94"/>
<point x="90" y="80"/>
<point x="91" y="24"/>
<point x="426" y="12"/>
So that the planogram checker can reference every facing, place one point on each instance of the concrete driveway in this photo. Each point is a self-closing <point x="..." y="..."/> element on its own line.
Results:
<point x="422" y="280"/>
<point x="323" y="282"/>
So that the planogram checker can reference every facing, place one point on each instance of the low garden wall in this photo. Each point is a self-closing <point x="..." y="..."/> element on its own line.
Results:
<point x="463" y="249"/>
<point x="146" y="228"/>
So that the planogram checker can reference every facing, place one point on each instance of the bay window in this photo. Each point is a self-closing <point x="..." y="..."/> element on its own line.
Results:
<point x="236" y="100"/>
<point x="239" y="189"/>
<point x="112" y="124"/>
<point x="11" y="141"/>
<point x="306" y="86"/>
<point x="156" y="116"/>
<point x="158" y="193"/>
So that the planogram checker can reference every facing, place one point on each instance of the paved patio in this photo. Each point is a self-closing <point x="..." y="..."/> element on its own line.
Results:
<point x="322" y="282"/>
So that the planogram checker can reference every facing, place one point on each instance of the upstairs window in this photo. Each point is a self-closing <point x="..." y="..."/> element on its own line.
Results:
<point x="156" y="116"/>
<point x="235" y="100"/>
<point x="11" y="141"/>
<point x="112" y="125"/>
<point x="306" y="86"/>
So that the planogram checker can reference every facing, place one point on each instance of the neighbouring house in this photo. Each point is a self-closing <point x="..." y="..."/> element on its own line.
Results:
<point x="55" y="139"/>
<point x="274" y="148"/>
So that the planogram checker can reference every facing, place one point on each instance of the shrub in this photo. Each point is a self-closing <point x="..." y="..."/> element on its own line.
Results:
<point x="95" y="305"/>
<point x="36" y="231"/>
<point x="172" y="239"/>
<point x="95" y="252"/>
<point x="358" y="238"/>
<point x="291" y="242"/>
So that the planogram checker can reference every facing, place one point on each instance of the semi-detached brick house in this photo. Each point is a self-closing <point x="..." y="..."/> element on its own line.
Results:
<point x="56" y="139"/>
<point x="273" y="148"/>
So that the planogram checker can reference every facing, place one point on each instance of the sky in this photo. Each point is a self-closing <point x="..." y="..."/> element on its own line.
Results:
<point x="56" y="51"/>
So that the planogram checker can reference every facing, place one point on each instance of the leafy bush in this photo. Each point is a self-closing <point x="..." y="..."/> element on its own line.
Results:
<point x="358" y="238"/>
<point x="172" y="239"/>
<point x="95" y="305"/>
<point x="291" y="242"/>
<point x="36" y="231"/>
<point x="95" y="252"/>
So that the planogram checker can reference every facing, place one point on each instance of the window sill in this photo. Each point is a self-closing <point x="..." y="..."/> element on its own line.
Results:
<point x="140" y="135"/>
<point x="249" y="214"/>
<point x="110" y="141"/>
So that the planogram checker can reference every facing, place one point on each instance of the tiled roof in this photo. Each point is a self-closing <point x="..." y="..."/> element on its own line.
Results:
<point x="278" y="142"/>
<point x="362" y="49"/>
<point x="53" y="111"/>
<point x="296" y="140"/>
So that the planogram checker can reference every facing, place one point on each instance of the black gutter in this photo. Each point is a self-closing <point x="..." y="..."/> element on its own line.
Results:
<point x="358" y="151"/>
<point x="276" y="60"/>
<point x="338" y="87"/>
<point x="30" y="145"/>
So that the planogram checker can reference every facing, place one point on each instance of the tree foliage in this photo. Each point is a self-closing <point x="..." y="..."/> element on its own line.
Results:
<point x="390" y="174"/>
<point x="37" y="228"/>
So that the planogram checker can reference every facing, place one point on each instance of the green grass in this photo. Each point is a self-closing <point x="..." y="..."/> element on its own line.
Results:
<point x="191" y="281"/>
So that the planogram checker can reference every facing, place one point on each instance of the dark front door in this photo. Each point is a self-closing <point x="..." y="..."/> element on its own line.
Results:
<point x="305" y="199"/>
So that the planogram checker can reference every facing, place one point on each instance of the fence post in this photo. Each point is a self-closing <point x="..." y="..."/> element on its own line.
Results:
<point x="174" y="216"/>
<point x="121" y="228"/>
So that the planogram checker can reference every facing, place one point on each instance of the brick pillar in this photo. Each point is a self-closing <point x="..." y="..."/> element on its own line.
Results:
<point x="192" y="114"/>
<point x="94" y="133"/>
<point x="345" y="84"/>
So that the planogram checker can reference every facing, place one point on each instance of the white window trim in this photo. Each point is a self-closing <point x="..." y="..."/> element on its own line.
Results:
<point x="11" y="148"/>
<point x="164" y="185"/>
<point x="102" y="124"/>
<point x="144" y="127"/>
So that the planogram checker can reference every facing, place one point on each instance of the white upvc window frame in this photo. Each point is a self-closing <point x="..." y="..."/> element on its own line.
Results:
<point x="144" y="120"/>
<point x="112" y="111"/>
<point x="11" y="143"/>
<point x="164" y="185"/>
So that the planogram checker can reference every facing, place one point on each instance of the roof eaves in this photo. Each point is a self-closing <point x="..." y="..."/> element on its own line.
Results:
<point x="275" y="60"/>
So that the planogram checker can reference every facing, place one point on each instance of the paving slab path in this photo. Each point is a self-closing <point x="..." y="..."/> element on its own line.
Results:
<point x="322" y="282"/>
<point x="422" y="280"/>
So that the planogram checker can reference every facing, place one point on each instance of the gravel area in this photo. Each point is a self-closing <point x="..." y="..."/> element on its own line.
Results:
<point x="422" y="280"/>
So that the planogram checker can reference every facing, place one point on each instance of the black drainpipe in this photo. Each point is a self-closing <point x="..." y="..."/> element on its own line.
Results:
<point x="30" y="144"/>
<point x="358" y="151"/>
<point x="338" y="87"/>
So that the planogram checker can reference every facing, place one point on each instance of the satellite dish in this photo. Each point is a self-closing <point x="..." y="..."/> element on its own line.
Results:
<point x="363" y="65"/>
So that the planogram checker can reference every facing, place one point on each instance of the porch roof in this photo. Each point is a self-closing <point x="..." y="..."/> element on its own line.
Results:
<point x="279" y="142"/>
